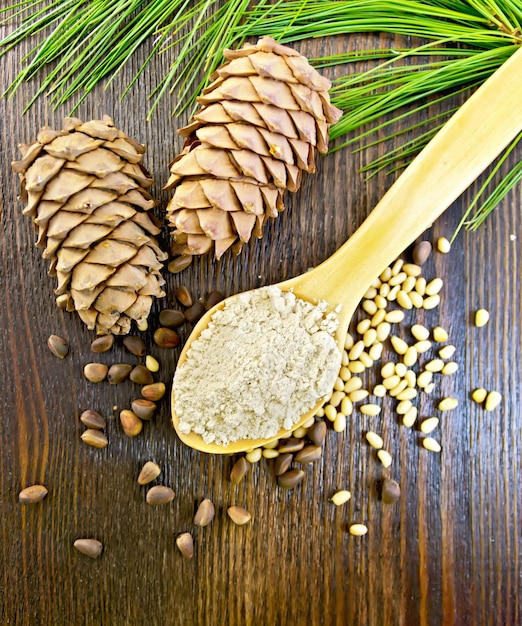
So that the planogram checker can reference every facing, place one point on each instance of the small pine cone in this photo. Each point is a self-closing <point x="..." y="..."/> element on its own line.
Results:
<point x="259" y="125"/>
<point x="85" y="188"/>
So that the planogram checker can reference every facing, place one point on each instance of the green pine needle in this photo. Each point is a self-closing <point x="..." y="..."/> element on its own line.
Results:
<point x="459" y="44"/>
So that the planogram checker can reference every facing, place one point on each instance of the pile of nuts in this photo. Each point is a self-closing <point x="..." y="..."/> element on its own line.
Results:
<point x="413" y="369"/>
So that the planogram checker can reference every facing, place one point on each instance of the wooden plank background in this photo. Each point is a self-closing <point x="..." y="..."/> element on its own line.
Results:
<point x="447" y="553"/>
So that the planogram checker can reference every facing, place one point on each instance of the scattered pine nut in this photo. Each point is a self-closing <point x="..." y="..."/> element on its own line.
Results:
<point x="358" y="530"/>
<point x="383" y="331"/>
<point x="270" y="454"/>
<point x="341" y="497"/>
<point x="404" y="300"/>
<point x="416" y="299"/>
<point x="431" y="444"/>
<point x="450" y="368"/>
<point x="443" y="245"/>
<point x="385" y="458"/>
<point x="424" y="378"/>
<point x="431" y="302"/>
<point x="420" y="332"/>
<point x="379" y="391"/>
<point x="448" y="404"/>
<point x="407" y="394"/>
<point x="346" y="406"/>
<point x="397" y="279"/>
<point x="369" y="306"/>
<point x="388" y="369"/>
<point x="363" y="326"/>
<point x="446" y="352"/>
<point x="429" y="424"/>
<point x="399" y="345"/>
<point x="412" y="269"/>
<point x="370" y="409"/>
<point x="378" y="318"/>
<point x="479" y="395"/>
<point x="339" y="423"/>
<point x="151" y="363"/>
<point x="397" y="267"/>
<point x="440" y="335"/>
<point x="481" y="317"/>
<point x="409" y="284"/>
<point x="253" y="456"/>
<point x="422" y="346"/>
<point x="374" y="440"/>
<point x="398" y="388"/>
<point x="403" y="407"/>
<point x="401" y="369"/>
<point x="358" y="394"/>
<point x="435" y="365"/>
<point x="420" y="285"/>
<point x="410" y="356"/>
<point x="434" y="287"/>
<point x="356" y="367"/>
<point x="493" y="399"/>
<point x="375" y="352"/>
<point x="394" y="317"/>
<point x="410" y="417"/>
<point x="380" y="302"/>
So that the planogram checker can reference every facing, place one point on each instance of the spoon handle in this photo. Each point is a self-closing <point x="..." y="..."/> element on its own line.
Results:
<point x="450" y="162"/>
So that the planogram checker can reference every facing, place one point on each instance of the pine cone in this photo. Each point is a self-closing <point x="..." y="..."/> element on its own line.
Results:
<point x="259" y="125"/>
<point x="85" y="188"/>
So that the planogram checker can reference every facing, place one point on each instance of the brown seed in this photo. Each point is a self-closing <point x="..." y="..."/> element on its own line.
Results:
<point x="391" y="491"/>
<point x="92" y="419"/>
<point x="194" y="312"/>
<point x="212" y="299"/>
<point x="102" y="344"/>
<point x="141" y="375"/>
<point x="421" y="252"/>
<point x="166" y="338"/>
<point x="95" y="372"/>
<point x="185" y="545"/>
<point x="118" y="372"/>
<point x="153" y="392"/>
<point x="282" y="463"/>
<point x="171" y="318"/>
<point x="135" y="345"/>
<point x="205" y="513"/>
<point x="32" y="494"/>
<point x="183" y="296"/>
<point x="148" y="473"/>
<point x="239" y="515"/>
<point x="159" y="495"/>
<point x="144" y="409"/>
<point x="179" y="263"/>
<point x="317" y="433"/>
<point x="239" y="470"/>
<point x="309" y="454"/>
<point x="291" y="445"/>
<point x="290" y="479"/>
<point x="94" y="438"/>
<point x="131" y="423"/>
<point x="58" y="346"/>
<point x="90" y="547"/>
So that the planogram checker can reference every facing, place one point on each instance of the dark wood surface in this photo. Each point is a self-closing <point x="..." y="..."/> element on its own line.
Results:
<point x="448" y="553"/>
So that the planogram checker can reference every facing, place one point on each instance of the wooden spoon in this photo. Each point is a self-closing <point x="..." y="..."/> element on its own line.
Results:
<point x="454" y="158"/>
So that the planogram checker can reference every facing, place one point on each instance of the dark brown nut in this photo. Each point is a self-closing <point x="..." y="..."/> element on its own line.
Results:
<point x="118" y="372"/>
<point x="421" y="252"/>
<point x="170" y="318"/>
<point x="212" y="299"/>
<point x="183" y="296"/>
<point x="95" y="372"/>
<point x="32" y="494"/>
<point x="391" y="491"/>
<point x="90" y="547"/>
<point x="194" y="312"/>
<point x="239" y="470"/>
<point x="58" y="346"/>
<point x="135" y="345"/>
<point x="179" y="263"/>
<point x="92" y="419"/>
<point x="205" y="513"/>
<point x="102" y="344"/>
<point x="148" y="473"/>
<point x="239" y="515"/>
<point x="309" y="454"/>
<point x="290" y="479"/>
<point x="94" y="438"/>
<point x="153" y="392"/>
<point x="159" y="495"/>
<point x="166" y="338"/>
<point x="317" y="433"/>
<point x="282" y="463"/>
<point x="144" y="409"/>
<point x="141" y="375"/>
<point x="291" y="445"/>
<point x="131" y="423"/>
<point x="185" y="545"/>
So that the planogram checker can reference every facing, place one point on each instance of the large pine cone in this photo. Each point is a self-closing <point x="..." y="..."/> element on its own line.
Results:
<point x="85" y="189"/>
<point x="259" y="125"/>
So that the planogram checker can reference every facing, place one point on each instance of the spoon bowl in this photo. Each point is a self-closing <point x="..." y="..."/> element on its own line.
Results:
<point x="476" y="134"/>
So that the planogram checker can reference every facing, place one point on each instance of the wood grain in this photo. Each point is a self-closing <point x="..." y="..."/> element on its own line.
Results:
<point x="448" y="553"/>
